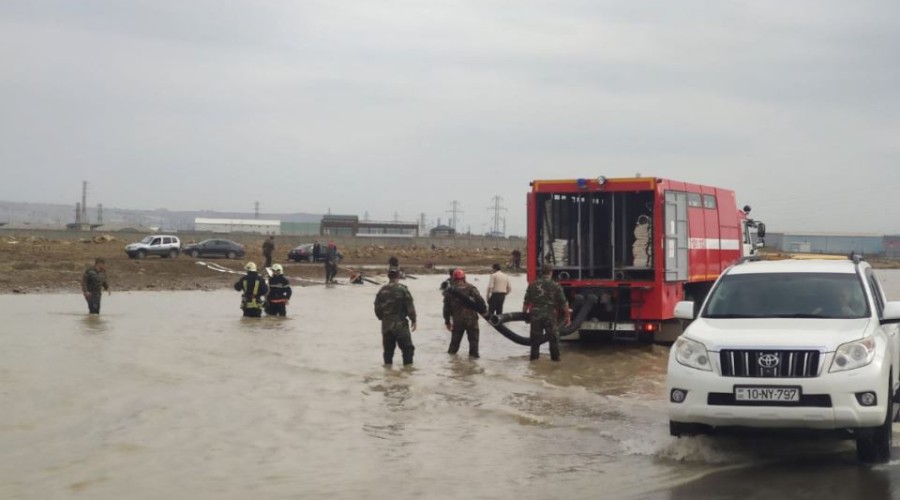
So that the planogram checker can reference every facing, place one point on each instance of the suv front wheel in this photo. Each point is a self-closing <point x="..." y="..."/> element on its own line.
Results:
<point x="873" y="444"/>
<point x="173" y="253"/>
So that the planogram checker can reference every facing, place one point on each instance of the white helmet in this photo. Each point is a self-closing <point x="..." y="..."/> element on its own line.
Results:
<point x="251" y="266"/>
<point x="277" y="269"/>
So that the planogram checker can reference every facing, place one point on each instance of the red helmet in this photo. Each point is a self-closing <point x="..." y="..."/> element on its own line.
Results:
<point x="459" y="274"/>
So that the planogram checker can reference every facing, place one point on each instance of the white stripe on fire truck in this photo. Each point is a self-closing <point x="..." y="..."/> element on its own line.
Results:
<point x="713" y="244"/>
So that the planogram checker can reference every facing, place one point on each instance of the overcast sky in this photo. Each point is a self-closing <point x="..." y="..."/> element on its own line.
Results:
<point x="402" y="107"/>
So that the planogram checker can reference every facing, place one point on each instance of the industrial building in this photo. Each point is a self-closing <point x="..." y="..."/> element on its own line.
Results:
<point x="833" y="244"/>
<point x="350" y="225"/>
<point x="259" y="226"/>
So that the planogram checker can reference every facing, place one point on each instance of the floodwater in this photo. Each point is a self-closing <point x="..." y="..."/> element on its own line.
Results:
<point x="173" y="395"/>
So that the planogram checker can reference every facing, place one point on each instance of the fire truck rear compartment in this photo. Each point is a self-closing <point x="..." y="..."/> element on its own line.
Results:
<point x="599" y="235"/>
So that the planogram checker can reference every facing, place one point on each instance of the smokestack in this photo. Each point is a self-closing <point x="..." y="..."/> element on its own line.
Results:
<point x="84" y="217"/>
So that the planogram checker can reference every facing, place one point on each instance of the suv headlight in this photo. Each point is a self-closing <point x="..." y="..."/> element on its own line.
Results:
<point x="692" y="353"/>
<point x="853" y="355"/>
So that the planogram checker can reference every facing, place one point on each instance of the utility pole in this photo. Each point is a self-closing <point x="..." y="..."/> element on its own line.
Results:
<point x="422" y="223"/>
<point x="455" y="210"/>
<point x="84" y="218"/>
<point x="497" y="208"/>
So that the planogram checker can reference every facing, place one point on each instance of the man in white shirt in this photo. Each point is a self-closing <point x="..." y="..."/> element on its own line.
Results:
<point x="498" y="287"/>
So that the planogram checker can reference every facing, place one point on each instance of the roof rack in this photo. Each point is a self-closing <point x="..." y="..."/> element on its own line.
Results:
<point x="856" y="257"/>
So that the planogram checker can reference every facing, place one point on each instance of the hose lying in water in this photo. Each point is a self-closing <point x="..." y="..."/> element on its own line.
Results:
<point x="584" y="308"/>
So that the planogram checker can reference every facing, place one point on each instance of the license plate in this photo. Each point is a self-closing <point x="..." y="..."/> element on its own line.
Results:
<point x="783" y="394"/>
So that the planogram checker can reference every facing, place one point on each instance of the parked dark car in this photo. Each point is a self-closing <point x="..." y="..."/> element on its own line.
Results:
<point x="304" y="253"/>
<point x="215" y="248"/>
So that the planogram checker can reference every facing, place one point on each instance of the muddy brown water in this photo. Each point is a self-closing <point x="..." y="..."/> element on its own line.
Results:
<point x="173" y="395"/>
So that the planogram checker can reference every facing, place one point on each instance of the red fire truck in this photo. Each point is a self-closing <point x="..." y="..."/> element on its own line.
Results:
<point x="635" y="247"/>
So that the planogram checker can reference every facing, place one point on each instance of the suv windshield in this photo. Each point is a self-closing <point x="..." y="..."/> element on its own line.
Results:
<point x="147" y="239"/>
<point x="788" y="295"/>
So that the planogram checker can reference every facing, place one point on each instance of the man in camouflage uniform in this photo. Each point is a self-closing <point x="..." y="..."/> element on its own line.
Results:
<point x="393" y="305"/>
<point x="547" y="304"/>
<point x="459" y="315"/>
<point x="93" y="282"/>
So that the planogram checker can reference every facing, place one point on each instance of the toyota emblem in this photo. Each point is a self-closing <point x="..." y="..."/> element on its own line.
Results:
<point x="769" y="360"/>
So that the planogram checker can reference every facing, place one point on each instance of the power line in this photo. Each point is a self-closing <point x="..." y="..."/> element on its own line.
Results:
<point x="496" y="208"/>
<point x="454" y="210"/>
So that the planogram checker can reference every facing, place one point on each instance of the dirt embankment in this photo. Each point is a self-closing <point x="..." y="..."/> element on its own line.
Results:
<point x="31" y="265"/>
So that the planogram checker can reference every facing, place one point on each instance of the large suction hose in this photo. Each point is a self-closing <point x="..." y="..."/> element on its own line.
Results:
<point x="584" y="308"/>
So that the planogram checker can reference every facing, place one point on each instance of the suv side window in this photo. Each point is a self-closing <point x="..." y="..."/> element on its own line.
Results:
<point x="877" y="293"/>
<point x="155" y="241"/>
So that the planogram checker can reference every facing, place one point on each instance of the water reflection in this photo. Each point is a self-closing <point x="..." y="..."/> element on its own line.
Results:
<point x="175" y="392"/>
<point x="94" y="324"/>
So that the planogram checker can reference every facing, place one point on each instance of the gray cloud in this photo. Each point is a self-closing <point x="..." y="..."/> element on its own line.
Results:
<point x="404" y="106"/>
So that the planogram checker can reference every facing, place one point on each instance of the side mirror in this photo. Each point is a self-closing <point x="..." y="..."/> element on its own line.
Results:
<point x="761" y="229"/>
<point x="685" y="310"/>
<point x="891" y="312"/>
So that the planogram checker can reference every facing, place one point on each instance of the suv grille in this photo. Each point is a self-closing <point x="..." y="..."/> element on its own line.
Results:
<point x="769" y="363"/>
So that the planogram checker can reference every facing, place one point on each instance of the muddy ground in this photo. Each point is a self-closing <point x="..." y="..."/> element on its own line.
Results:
<point x="34" y="265"/>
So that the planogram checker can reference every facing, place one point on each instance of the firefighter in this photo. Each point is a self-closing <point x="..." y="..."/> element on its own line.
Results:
<point x="253" y="289"/>
<point x="393" y="305"/>
<point x="279" y="296"/>
<point x="93" y="282"/>
<point x="547" y="304"/>
<point x="460" y="317"/>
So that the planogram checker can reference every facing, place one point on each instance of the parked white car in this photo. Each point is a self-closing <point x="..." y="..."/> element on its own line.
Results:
<point x="164" y="245"/>
<point x="790" y="344"/>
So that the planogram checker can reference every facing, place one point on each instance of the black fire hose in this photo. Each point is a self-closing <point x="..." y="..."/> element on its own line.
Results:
<point x="584" y="308"/>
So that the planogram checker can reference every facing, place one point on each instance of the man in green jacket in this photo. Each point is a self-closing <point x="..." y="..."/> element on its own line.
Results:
<point x="547" y="304"/>
<point x="393" y="305"/>
<point x="93" y="282"/>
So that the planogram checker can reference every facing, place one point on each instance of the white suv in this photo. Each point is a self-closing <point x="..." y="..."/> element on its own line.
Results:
<point x="164" y="245"/>
<point x="790" y="344"/>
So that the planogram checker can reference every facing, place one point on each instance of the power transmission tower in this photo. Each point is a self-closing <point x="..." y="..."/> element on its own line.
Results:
<point x="454" y="211"/>
<point x="496" y="208"/>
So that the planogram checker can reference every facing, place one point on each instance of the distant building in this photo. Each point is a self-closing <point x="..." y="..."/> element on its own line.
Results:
<point x="350" y="225"/>
<point x="259" y="226"/>
<point x="392" y="229"/>
<point x="439" y="231"/>
<point x="339" y="225"/>
<point x="892" y="246"/>
<point x="833" y="244"/>
<point x="299" y="228"/>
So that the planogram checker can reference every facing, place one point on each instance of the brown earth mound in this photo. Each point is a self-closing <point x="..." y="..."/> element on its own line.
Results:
<point x="30" y="264"/>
